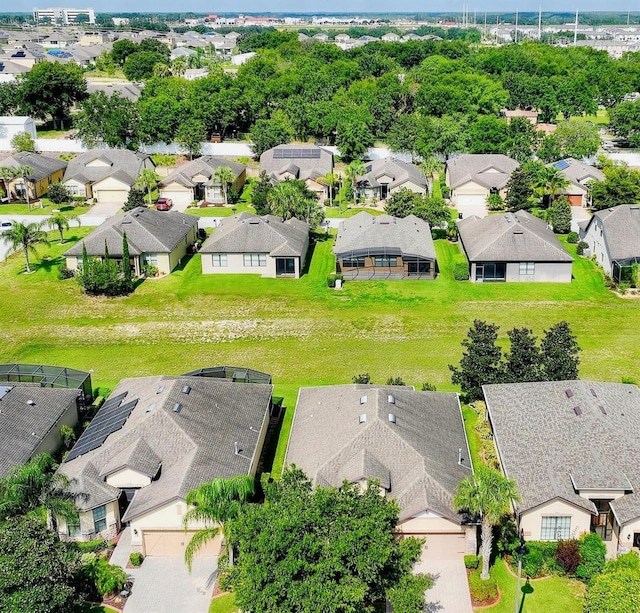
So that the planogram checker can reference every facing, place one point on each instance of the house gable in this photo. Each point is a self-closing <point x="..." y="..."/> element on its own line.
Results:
<point x="127" y="477"/>
<point x="99" y="163"/>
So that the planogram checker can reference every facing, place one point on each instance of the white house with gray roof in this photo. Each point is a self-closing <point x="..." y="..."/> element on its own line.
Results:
<point x="384" y="247"/>
<point x="250" y="244"/>
<point x="154" y="238"/>
<point x="413" y="443"/>
<point x="572" y="447"/>
<point x="579" y="175"/>
<point x="153" y="441"/>
<point x="513" y="247"/>
<point x="387" y="176"/>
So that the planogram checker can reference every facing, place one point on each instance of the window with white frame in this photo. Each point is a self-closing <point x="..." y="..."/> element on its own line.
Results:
<point x="527" y="268"/>
<point x="555" y="528"/>
<point x="74" y="190"/>
<point x="219" y="260"/>
<point x="100" y="518"/>
<point x="151" y="259"/>
<point x="255" y="259"/>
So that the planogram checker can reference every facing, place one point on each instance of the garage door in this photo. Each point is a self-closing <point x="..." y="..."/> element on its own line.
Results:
<point x="178" y="197"/>
<point x="111" y="195"/>
<point x="575" y="200"/>
<point x="174" y="542"/>
<point x="444" y="547"/>
<point x="470" y="200"/>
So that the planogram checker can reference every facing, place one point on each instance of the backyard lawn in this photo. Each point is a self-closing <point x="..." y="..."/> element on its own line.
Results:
<point x="46" y="209"/>
<point x="300" y="331"/>
<point x="223" y="604"/>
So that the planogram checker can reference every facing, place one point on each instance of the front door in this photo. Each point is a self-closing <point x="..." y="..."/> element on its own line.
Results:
<point x="602" y="522"/>
<point x="285" y="267"/>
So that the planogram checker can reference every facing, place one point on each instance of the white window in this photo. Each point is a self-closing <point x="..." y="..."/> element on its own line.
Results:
<point x="219" y="260"/>
<point x="255" y="259"/>
<point x="555" y="528"/>
<point x="151" y="259"/>
<point x="527" y="268"/>
<point x="74" y="190"/>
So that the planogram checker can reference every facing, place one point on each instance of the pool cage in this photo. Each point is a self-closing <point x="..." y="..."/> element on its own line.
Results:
<point x="233" y="373"/>
<point x="383" y="262"/>
<point x="625" y="271"/>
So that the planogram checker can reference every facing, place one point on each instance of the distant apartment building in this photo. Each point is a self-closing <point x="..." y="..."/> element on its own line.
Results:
<point x="63" y="16"/>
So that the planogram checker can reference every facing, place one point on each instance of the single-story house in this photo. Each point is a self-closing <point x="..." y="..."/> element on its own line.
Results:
<point x="530" y="116"/>
<point x="572" y="449"/>
<point x="155" y="238"/>
<point x="384" y="247"/>
<point x="412" y="442"/>
<point x="195" y="180"/>
<point x="152" y="442"/>
<point x="301" y="161"/>
<point x="10" y="125"/>
<point x="46" y="170"/>
<point x="613" y="236"/>
<point x="9" y="72"/>
<point x="513" y="247"/>
<point x="251" y="244"/>
<point x="105" y="174"/>
<point x="128" y="90"/>
<point x="386" y="176"/>
<point x="473" y="177"/>
<point x="31" y="418"/>
<point x="579" y="175"/>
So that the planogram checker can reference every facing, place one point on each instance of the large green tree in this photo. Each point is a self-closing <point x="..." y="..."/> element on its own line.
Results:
<point x="624" y="121"/>
<point x="292" y="198"/>
<point x="260" y="194"/>
<point x="26" y="237"/>
<point x="560" y="350"/>
<point x="559" y="215"/>
<point x="620" y="186"/>
<point x="225" y="176"/>
<point x="575" y="138"/>
<point x="520" y="187"/>
<point x="322" y="549"/>
<point x="139" y="65"/>
<point x="268" y="133"/>
<point x="487" y="494"/>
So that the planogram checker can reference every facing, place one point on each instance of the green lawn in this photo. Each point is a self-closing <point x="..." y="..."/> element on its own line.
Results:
<point x="90" y="607"/>
<point x="333" y="212"/>
<point x="220" y="211"/>
<point x="223" y="604"/>
<point x="47" y="208"/>
<point x="555" y="594"/>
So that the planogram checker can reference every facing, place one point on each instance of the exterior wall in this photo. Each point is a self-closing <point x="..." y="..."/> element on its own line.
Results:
<point x="626" y="533"/>
<point x="414" y="187"/>
<point x="73" y="262"/>
<point x="128" y="478"/>
<point x="531" y="521"/>
<point x="235" y="265"/>
<point x="170" y="261"/>
<point x="117" y="188"/>
<point x="545" y="272"/>
<point x="10" y="129"/>
<point x="52" y="441"/>
<point x="596" y="240"/>
<point x="471" y="188"/>
<point x="86" y="525"/>
<point x="430" y="524"/>
<point x="83" y="190"/>
<point x="165" y="262"/>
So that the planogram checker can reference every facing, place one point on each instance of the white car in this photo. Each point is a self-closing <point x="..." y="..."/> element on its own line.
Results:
<point x="6" y="225"/>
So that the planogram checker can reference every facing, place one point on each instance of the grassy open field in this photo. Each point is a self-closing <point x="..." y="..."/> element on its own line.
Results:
<point x="300" y="331"/>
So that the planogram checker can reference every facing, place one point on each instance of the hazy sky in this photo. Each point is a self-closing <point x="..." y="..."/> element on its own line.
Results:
<point x="311" y="6"/>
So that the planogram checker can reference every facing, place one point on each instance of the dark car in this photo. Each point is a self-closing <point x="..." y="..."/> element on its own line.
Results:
<point x="164" y="204"/>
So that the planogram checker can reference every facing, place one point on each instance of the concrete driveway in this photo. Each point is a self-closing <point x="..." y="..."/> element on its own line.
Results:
<point x="578" y="214"/>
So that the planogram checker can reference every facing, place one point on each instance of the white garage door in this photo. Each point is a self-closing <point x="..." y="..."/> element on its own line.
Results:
<point x="112" y="195"/>
<point x="178" y="197"/>
<point x="174" y="542"/>
<point x="444" y="547"/>
<point x="465" y="200"/>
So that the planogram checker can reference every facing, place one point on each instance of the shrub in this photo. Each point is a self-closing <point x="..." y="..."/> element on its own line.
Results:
<point x="471" y="561"/>
<point x="452" y="231"/>
<point x="59" y="193"/>
<point x="572" y="238"/>
<point x="92" y="546"/>
<point x="623" y="288"/>
<point x="428" y="387"/>
<point x="495" y="202"/>
<point x="592" y="551"/>
<point x="460" y="271"/>
<point x="582" y="245"/>
<point x="361" y="378"/>
<point x="438" y="233"/>
<point x="446" y="192"/>
<point x="136" y="558"/>
<point x="568" y="556"/>
<point x="507" y="536"/>
<point x="149" y="270"/>
<point x="65" y="273"/>
<point x="233" y="196"/>
<point x="482" y="591"/>
<point x="109" y="578"/>
<point x="332" y="278"/>
<point x="395" y="381"/>
<point x="540" y="559"/>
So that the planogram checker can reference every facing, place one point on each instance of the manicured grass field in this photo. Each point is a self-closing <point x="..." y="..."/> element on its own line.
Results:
<point x="300" y="331"/>
<point x="540" y="596"/>
<point x="223" y="604"/>
<point x="331" y="212"/>
<point x="46" y="209"/>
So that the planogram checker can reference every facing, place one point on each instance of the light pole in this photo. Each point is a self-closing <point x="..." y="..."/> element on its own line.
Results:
<point x="521" y="550"/>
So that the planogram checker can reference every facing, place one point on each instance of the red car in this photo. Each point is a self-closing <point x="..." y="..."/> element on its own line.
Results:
<point x="164" y="204"/>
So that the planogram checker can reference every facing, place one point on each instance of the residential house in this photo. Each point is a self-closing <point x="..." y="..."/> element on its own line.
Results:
<point x="572" y="449"/>
<point x="10" y="125"/>
<point x="251" y="244"/>
<point x="307" y="163"/>
<point x="384" y="247"/>
<point x="23" y="57"/>
<point x="412" y="443"/>
<point x="613" y="236"/>
<point x="196" y="180"/>
<point x="513" y="247"/>
<point x="154" y="238"/>
<point x="106" y="175"/>
<point x="579" y="175"/>
<point x="387" y="176"/>
<point x="45" y="171"/>
<point x="531" y="116"/>
<point x="31" y="418"/>
<point x="242" y="58"/>
<point x="473" y="177"/>
<point x="128" y="90"/>
<point x="152" y="442"/>
<point x="10" y="70"/>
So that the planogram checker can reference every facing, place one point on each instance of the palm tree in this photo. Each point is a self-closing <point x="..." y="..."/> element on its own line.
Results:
<point x="550" y="182"/>
<point x="161" y="70"/>
<point x="7" y="173"/>
<point x="147" y="179"/>
<point x="330" y="180"/>
<point x="216" y="503"/>
<point x="225" y="176"/>
<point x="178" y="66"/>
<point x="24" y="172"/>
<point x="26" y="236"/>
<point x="353" y="171"/>
<point x="432" y="166"/>
<point x="487" y="494"/>
<point x="61" y="222"/>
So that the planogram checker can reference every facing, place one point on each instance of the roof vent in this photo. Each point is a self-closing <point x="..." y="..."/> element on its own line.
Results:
<point x="460" y="455"/>
<point x="150" y="408"/>
<point x="518" y="231"/>
<point x="254" y="221"/>
<point x="186" y="389"/>
<point x="392" y="418"/>
<point x="593" y="393"/>
<point x="236" y="449"/>
<point x="569" y="393"/>
<point x="391" y="398"/>
<point x="31" y="403"/>
<point x="362" y="418"/>
<point x="160" y="389"/>
<point x="177" y="407"/>
<point x="577" y="410"/>
<point x="363" y="400"/>
<point x="602" y="409"/>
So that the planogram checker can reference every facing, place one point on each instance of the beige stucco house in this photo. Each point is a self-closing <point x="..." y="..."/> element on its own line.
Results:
<point x="45" y="171"/>
<point x="155" y="238"/>
<point x="385" y="177"/>
<point x="573" y="450"/>
<point x="412" y="443"/>
<point x="579" y="175"/>
<point x="152" y="442"/>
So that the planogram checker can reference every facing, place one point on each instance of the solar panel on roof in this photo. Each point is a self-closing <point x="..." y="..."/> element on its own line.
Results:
<point x="296" y="154"/>
<point x="114" y="400"/>
<point x="562" y="165"/>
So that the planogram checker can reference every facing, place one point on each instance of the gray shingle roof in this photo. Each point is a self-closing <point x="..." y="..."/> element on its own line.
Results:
<point x="510" y="237"/>
<point x="148" y="231"/>
<point x="620" y="231"/>
<point x="126" y="164"/>
<point x="247" y="233"/>
<point x="399" y="171"/>
<point x="306" y="168"/>
<point x="364" y="232"/>
<point x="550" y="450"/>
<point x="43" y="166"/>
<point x="24" y="426"/>
<point x="130" y="91"/>
<point x="415" y="458"/>
<point x="205" y="166"/>
<point x="488" y="170"/>
<point x="578" y="173"/>
<point x="194" y="445"/>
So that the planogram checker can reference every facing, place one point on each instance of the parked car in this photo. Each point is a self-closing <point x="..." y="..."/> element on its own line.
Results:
<point x="164" y="204"/>
<point x="5" y="225"/>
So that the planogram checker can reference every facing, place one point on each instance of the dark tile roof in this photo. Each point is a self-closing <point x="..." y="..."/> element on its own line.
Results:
<point x="510" y="237"/>
<point x="620" y="231"/>
<point x="488" y="170"/>
<point x="551" y="450"/>
<point x="364" y="232"/>
<point x="24" y="426"/>
<point x="194" y="444"/>
<point x="415" y="457"/>
<point x="205" y="166"/>
<point x="43" y="166"/>
<point x="148" y="231"/>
